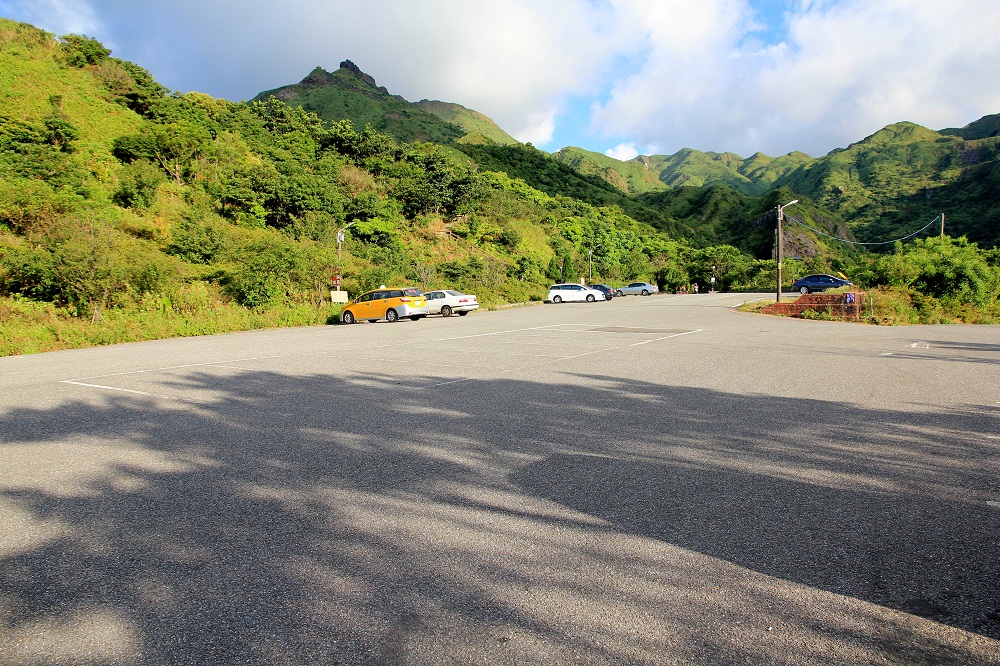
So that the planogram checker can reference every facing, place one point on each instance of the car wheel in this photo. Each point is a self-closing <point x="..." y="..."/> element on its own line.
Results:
<point x="619" y="293"/>
<point x="803" y="289"/>
<point x="645" y="292"/>
<point x="391" y="315"/>
<point x="347" y="318"/>
<point x="462" y="313"/>
<point x="445" y="310"/>
<point x="557" y="299"/>
<point x="590" y="298"/>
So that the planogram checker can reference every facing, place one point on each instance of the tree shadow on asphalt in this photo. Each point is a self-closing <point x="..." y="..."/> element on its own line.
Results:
<point x="308" y="519"/>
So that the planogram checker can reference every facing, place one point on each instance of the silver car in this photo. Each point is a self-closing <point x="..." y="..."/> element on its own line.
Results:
<point x="639" y="289"/>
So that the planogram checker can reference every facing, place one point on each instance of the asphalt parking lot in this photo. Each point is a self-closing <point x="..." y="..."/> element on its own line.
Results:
<point x="652" y="480"/>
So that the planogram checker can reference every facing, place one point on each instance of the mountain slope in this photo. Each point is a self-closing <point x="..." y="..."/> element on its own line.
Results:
<point x="873" y="176"/>
<point x="31" y="61"/>
<point x="628" y="177"/>
<point x="755" y="175"/>
<point x="985" y="127"/>
<point x="478" y="128"/>
<point x="350" y="94"/>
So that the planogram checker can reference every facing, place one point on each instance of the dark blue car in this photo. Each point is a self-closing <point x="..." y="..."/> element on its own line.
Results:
<point x="809" y="283"/>
<point x="608" y="291"/>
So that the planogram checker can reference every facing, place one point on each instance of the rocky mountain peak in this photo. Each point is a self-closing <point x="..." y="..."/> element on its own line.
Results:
<point x="349" y="66"/>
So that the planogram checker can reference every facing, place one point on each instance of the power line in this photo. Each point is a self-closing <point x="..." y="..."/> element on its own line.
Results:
<point x="849" y="242"/>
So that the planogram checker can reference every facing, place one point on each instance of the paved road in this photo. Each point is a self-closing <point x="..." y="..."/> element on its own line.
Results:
<point x="647" y="481"/>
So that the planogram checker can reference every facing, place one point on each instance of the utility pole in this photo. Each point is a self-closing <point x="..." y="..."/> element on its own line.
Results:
<point x="942" y="226"/>
<point x="777" y="240"/>
<point x="590" y="260"/>
<point x="340" y="238"/>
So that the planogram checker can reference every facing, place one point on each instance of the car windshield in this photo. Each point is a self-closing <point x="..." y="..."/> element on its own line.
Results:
<point x="411" y="291"/>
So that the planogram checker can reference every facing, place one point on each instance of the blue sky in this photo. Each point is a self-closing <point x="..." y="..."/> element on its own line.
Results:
<point x="621" y="77"/>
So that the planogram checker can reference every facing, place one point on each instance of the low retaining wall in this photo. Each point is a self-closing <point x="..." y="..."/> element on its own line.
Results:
<point x="842" y="306"/>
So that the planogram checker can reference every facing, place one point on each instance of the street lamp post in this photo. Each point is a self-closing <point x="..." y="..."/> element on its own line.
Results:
<point x="590" y="260"/>
<point x="340" y="238"/>
<point x="778" y="239"/>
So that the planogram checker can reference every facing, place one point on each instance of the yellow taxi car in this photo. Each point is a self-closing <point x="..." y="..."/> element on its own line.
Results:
<point x="386" y="303"/>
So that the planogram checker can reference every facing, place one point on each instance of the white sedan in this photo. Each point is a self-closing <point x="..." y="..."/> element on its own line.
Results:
<point x="446" y="301"/>
<point x="573" y="292"/>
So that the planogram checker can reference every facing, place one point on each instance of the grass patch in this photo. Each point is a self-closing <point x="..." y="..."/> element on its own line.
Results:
<point x="29" y="327"/>
<point x="754" y="306"/>
<point x="890" y="306"/>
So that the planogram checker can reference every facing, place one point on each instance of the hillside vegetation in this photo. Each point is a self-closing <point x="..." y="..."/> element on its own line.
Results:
<point x="478" y="128"/>
<point x="885" y="186"/>
<point x="350" y="94"/>
<point x="131" y="212"/>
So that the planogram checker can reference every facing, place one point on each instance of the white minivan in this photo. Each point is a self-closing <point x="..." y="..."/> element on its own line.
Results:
<point x="573" y="292"/>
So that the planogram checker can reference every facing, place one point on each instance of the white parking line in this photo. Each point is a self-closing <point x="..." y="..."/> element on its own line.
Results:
<point x="556" y="359"/>
<point x="187" y="365"/>
<point x="119" y="389"/>
<point x="485" y="335"/>
<point x="231" y="363"/>
<point x="667" y="337"/>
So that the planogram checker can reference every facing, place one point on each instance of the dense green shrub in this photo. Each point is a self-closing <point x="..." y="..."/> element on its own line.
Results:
<point x="80" y="50"/>
<point x="200" y="241"/>
<point x="270" y="268"/>
<point x="137" y="185"/>
<point x="945" y="268"/>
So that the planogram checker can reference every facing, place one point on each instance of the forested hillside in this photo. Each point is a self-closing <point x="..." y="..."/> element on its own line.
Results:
<point x="350" y="94"/>
<point x="128" y="211"/>
<point x="121" y="203"/>
<point x="477" y="127"/>
<point x="885" y="186"/>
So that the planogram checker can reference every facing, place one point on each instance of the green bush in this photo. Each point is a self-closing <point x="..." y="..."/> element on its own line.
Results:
<point x="200" y="241"/>
<point x="80" y="50"/>
<point x="272" y="268"/>
<point x="953" y="270"/>
<point x="137" y="185"/>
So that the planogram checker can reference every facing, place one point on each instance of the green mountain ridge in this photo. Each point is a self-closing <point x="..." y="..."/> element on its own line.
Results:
<point x="984" y="128"/>
<point x="128" y="211"/>
<point x="350" y="94"/>
<point x="478" y="127"/>
<point x="627" y="177"/>
<point x="884" y="186"/>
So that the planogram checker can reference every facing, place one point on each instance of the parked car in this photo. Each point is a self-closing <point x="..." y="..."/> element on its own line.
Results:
<point x="446" y="301"/>
<point x="573" y="292"/>
<point x="809" y="283"/>
<point x="639" y="289"/>
<point x="609" y="292"/>
<point x="388" y="304"/>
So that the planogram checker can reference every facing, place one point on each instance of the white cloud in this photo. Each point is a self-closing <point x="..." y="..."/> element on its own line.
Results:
<point x="623" y="151"/>
<point x="61" y="17"/>
<point x="847" y="69"/>
<point x="667" y="73"/>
